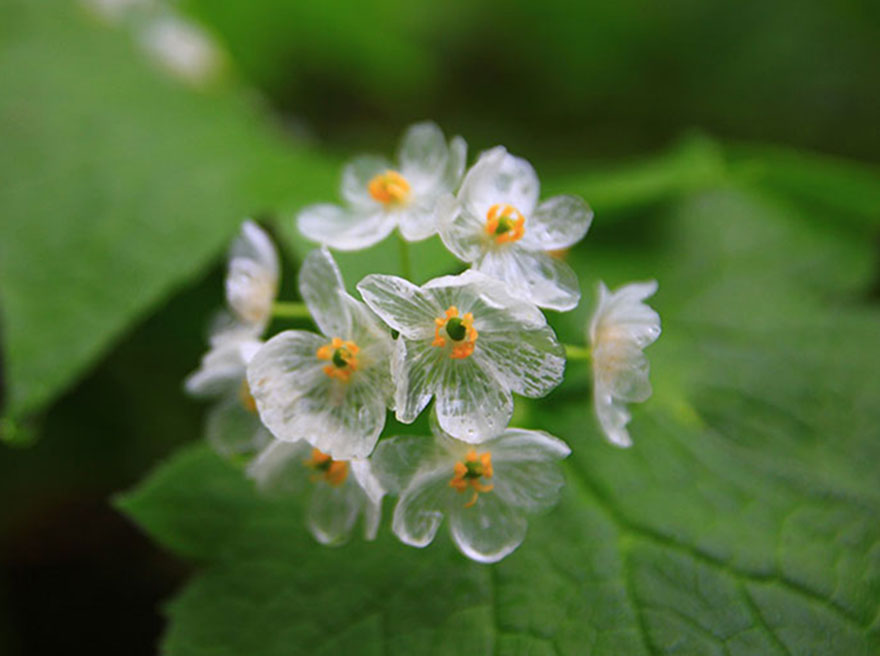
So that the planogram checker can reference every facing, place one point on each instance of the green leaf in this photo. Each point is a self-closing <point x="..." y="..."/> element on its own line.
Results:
<point x="743" y="521"/>
<point x="119" y="185"/>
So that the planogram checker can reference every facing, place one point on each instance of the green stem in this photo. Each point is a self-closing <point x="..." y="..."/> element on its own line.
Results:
<point x="574" y="352"/>
<point x="405" y="268"/>
<point x="290" y="310"/>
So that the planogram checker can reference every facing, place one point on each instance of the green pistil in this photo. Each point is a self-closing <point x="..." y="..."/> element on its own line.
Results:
<point x="456" y="329"/>
<point x="504" y="225"/>
<point x="474" y="469"/>
<point x="339" y="358"/>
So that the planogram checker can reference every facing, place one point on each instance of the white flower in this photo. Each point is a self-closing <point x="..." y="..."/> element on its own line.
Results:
<point x="332" y="389"/>
<point x="621" y="327"/>
<point x="497" y="224"/>
<point x="340" y="490"/>
<point x="182" y="48"/>
<point x="468" y="342"/>
<point x="232" y="425"/>
<point x="485" y="491"/>
<point x="381" y="197"/>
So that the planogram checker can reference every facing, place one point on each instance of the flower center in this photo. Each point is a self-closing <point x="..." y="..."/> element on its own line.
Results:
<point x="505" y="223"/>
<point x="332" y="471"/>
<point x="246" y="398"/>
<point x="460" y="330"/>
<point x="389" y="188"/>
<point x="469" y="474"/>
<point x="342" y="356"/>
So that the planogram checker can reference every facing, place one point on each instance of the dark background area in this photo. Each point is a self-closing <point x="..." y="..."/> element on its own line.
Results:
<point x="556" y="81"/>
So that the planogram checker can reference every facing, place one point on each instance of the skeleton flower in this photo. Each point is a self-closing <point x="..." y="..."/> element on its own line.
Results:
<point x="338" y="490"/>
<point x="381" y="197"/>
<point x="331" y="389"/>
<point x="621" y="327"/>
<point x="467" y="341"/>
<point x="497" y="224"/>
<point x="485" y="490"/>
<point x="232" y="425"/>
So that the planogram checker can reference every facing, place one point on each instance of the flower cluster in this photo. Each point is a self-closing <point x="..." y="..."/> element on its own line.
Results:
<point x="310" y="407"/>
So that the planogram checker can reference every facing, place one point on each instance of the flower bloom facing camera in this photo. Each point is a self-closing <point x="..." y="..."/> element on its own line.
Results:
<point x="485" y="491"/>
<point x="381" y="196"/>
<point x="468" y="342"/>
<point x="621" y="327"/>
<point x="338" y="491"/>
<point x="331" y="389"/>
<point x="232" y="426"/>
<point x="497" y="225"/>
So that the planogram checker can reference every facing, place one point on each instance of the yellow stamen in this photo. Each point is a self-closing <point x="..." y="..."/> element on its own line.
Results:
<point x="246" y="398"/>
<point x="505" y="223"/>
<point x="459" y="330"/>
<point x="468" y="474"/>
<point x="332" y="471"/>
<point x="389" y="188"/>
<point x="342" y="356"/>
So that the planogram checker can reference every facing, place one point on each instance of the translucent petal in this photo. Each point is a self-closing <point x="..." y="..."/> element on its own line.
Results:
<point x="471" y="404"/>
<point x="558" y="222"/>
<point x="499" y="178"/>
<point x="255" y="245"/>
<point x="526" y="468"/>
<point x="252" y="276"/>
<point x="322" y="289"/>
<point x="416" y="371"/>
<point x="487" y="531"/>
<point x="423" y="156"/>
<point x="455" y="164"/>
<point x="401" y="304"/>
<point x="222" y="368"/>
<point x="278" y="470"/>
<point x="517" y="445"/>
<point x="356" y="176"/>
<point x="416" y="220"/>
<point x="374" y="491"/>
<point x="544" y="280"/>
<point x="622" y="369"/>
<point x="232" y="430"/>
<point x="462" y="233"/>
<point x="612" y="415"/>
<point x="419" y="510"/>
<point x="333" y="510"/>
<point x="623" y="315"/>
<point x="345" y="230"/>
<point x="529" y="362"/>
<point x="397" y="459"/>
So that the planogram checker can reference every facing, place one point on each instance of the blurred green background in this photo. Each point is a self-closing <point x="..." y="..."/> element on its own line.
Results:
<point x="639" y="101"/>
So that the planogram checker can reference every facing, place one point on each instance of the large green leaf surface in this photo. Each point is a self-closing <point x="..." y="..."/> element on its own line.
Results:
<point x="743" y="521"/>
<point x="118" y="184"/>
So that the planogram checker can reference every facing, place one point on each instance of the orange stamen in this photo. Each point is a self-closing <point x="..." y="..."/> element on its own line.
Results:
<point x="505" y="223"/>
<point x="246" y="398"/>
<point x="468" y="474"/>
<point x="463" y="347"/>
<point x="342" y="356"/>
<point x="389" y="188"/>
<point x="332" y="471"/>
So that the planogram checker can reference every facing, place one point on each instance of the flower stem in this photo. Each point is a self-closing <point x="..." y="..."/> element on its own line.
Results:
<point x="405" y="268"/>
<point x="574" y="352"/>
<point x="290" y="310"/>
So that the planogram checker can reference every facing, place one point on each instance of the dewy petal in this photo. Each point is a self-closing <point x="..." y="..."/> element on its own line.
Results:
<point x="455" y="164"/>
<point x="471" y="404"/>
<point x="462" y="233"/>
<point x="529" y="362"/>
<point x="333" y="510"/>
<point x="297" y="400"/>
<point x="416" y="220"/>
<point x="613" y="416"/>
<point x="252" y="277"/>
<point x="526" y="469"/>
<point x="396" y="459"/>
<point x="231" y="429"/>
<point x="222" y="368"/>
<point x="489" y="530"/>
<point x="544" y="280"/>
<point x="623" y="370"/>
<point x="415" y="369"/>
<point x="345" y="230"/>
<point x="500" y="178"/>
<point x="356" y="176"/>
<point x="322" y="289"/>
<point x="419" y="511"/>
<point x="423" y="156"/>
<point x="374" y="491"/>
<point x="401" y="304"/>
<point x="278" y="470"/>
<point x="558" y="222"/>
<point x="624" y="315"/>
